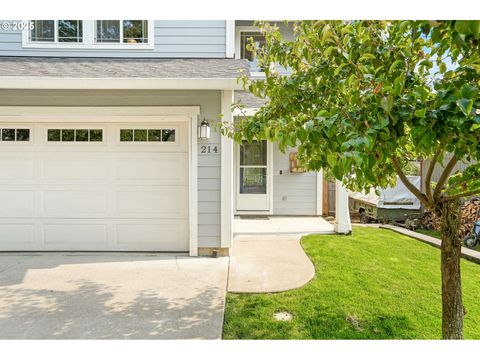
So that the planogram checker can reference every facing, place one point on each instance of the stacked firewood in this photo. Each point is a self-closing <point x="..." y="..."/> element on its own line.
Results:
<point x="469" y="217"/>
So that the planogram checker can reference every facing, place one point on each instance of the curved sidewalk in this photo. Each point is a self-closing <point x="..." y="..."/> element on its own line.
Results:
<point x="268" y="263"/>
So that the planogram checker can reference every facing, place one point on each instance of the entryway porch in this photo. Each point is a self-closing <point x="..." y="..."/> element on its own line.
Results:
<point x="281" y="225"/>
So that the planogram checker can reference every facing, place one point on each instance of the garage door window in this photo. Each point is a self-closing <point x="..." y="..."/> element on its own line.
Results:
<point x="147" y="135"/>
<point x="12" y="134"/>
<point x="75" y="135"/>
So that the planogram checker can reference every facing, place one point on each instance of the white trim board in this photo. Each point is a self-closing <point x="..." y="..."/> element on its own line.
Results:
<point x="319" y="192"/>
<point x="227" y="175"/>
<point x="230" y="38"/>
<point x="38" y="82"/>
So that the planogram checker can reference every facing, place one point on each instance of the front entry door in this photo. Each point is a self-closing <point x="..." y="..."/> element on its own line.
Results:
<point x="253" y="191"/>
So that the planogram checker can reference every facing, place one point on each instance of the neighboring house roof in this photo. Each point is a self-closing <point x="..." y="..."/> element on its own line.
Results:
<point x="248" y="100"/>
<point x="67" y="73"/>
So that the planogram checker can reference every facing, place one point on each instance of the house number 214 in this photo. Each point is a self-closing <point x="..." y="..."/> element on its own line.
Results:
<point x="209" y="149"/>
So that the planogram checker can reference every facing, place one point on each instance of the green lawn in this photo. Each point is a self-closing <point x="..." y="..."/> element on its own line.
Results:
<point x="433" y="233"/>
<point x="437" y="234"/>
<point x="375" y="284"/>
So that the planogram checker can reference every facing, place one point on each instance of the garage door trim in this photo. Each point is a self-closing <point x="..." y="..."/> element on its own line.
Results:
<point x="130" y="114"/>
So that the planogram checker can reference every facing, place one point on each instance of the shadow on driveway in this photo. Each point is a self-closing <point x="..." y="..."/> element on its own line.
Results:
<point x="111" y="296"/>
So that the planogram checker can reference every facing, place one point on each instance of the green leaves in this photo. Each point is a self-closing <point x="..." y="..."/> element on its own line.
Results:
<point x="420" y="113"/>
<point x="469" y="91"/>
<point x="361" y="92"/>
<point x="442" y="67"/>
<point x="386" y="103"/>
<point x="398" y="84"/>
<point x="395" y="65"/>
<point x="465" y="105"/>
<point x="366" y="57"/>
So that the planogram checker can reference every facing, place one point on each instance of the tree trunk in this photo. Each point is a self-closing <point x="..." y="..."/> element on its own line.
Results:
<point x="453" y="311"/>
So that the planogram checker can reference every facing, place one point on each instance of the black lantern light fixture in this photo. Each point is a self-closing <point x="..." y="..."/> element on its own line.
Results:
<point x="204" y="130"/>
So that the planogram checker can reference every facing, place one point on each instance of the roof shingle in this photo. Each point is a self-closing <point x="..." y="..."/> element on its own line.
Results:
<point x="122" y="68"/>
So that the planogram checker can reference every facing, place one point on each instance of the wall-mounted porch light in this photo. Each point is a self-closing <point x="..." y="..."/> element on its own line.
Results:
<point x="204" y="130"/>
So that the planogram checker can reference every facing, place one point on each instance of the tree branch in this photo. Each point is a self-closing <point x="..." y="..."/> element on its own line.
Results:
<point x="444" y="177"/>
<point x="409" y="185"/>
<point x="465" y="194"/>
<point x="431" y="167"/>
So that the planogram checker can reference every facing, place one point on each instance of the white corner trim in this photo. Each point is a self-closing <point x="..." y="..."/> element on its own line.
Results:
<point x="193" y="188"/>
<point x="88" y="41"/>
<point x="37" y="82"/>
<point x="226" y="184"/>
<point x="230" y="39"/>
<point x="320" y="192"/>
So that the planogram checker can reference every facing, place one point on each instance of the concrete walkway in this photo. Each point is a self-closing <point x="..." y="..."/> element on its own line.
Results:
<point x="268" y="263"/>
<point x="467" y="254"/>
<point x="111" y="296"/>
<point x="275" y="225"/>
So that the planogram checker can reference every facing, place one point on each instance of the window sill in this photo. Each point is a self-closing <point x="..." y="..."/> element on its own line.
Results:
<point x="83" y="46"/>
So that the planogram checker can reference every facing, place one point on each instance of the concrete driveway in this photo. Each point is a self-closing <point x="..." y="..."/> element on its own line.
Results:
<point x="111" y="296"/>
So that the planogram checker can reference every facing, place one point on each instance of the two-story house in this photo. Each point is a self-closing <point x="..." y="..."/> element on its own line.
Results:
<point x="107" y="138"/>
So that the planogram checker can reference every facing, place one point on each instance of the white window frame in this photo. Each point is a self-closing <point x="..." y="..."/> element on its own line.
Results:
<point x="88" y="39"/>
<point x="238" y="31"/>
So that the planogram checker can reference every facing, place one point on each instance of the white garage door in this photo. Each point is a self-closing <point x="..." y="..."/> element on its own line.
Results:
<point x="104" y="187"/>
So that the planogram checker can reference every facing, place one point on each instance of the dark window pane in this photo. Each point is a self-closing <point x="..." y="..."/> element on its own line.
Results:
<point x="245" y="44"/>
<point x="254" y="153"/>
<point x="135" y="31"/>
<point x="43" y="30"/>
<point x="8" y="134"/>
<point x="81" y="135"/>
<point x="53" y="135"/>
<point x="96" y="135"/>
<point x="140" y="135"/>
<point x="168" y="135"/>
<point x="253" y="180"/>
<point x="108" y="31"/>
<point x="68" y="135"/>
<point x="126" y="135"/>
<point x="154" y="135"/>
<point x="23" y="134"/>
<point x="70" y="30"/>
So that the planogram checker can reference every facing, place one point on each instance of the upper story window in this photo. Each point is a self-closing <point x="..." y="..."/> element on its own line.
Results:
<point x="124" y="31"/>
<point x="245" y="35"/>
<point x="89" y="34"/>
<point x="57" y="31"/>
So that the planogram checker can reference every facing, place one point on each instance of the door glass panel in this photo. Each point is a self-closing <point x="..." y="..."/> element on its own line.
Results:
<point x="253" y="154"/>
<point x="253" y="180"/>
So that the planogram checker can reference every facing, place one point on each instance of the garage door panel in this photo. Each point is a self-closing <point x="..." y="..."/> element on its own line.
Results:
<point x="72" y="233"/>
<point x="174" y="236"/>
<point x="16" y="234"/>
<point x="161" y="169"/>
<point x="14" y="168"/>
<point x="106" y="196"/>
<point x="17" y="202"/>
<point x="64" y="202"/>
<point x="170" y="202"/>
<point x="74" y="169"/>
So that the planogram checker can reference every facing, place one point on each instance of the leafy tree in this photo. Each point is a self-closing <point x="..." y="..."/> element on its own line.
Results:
<point x="363" y="98"/>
